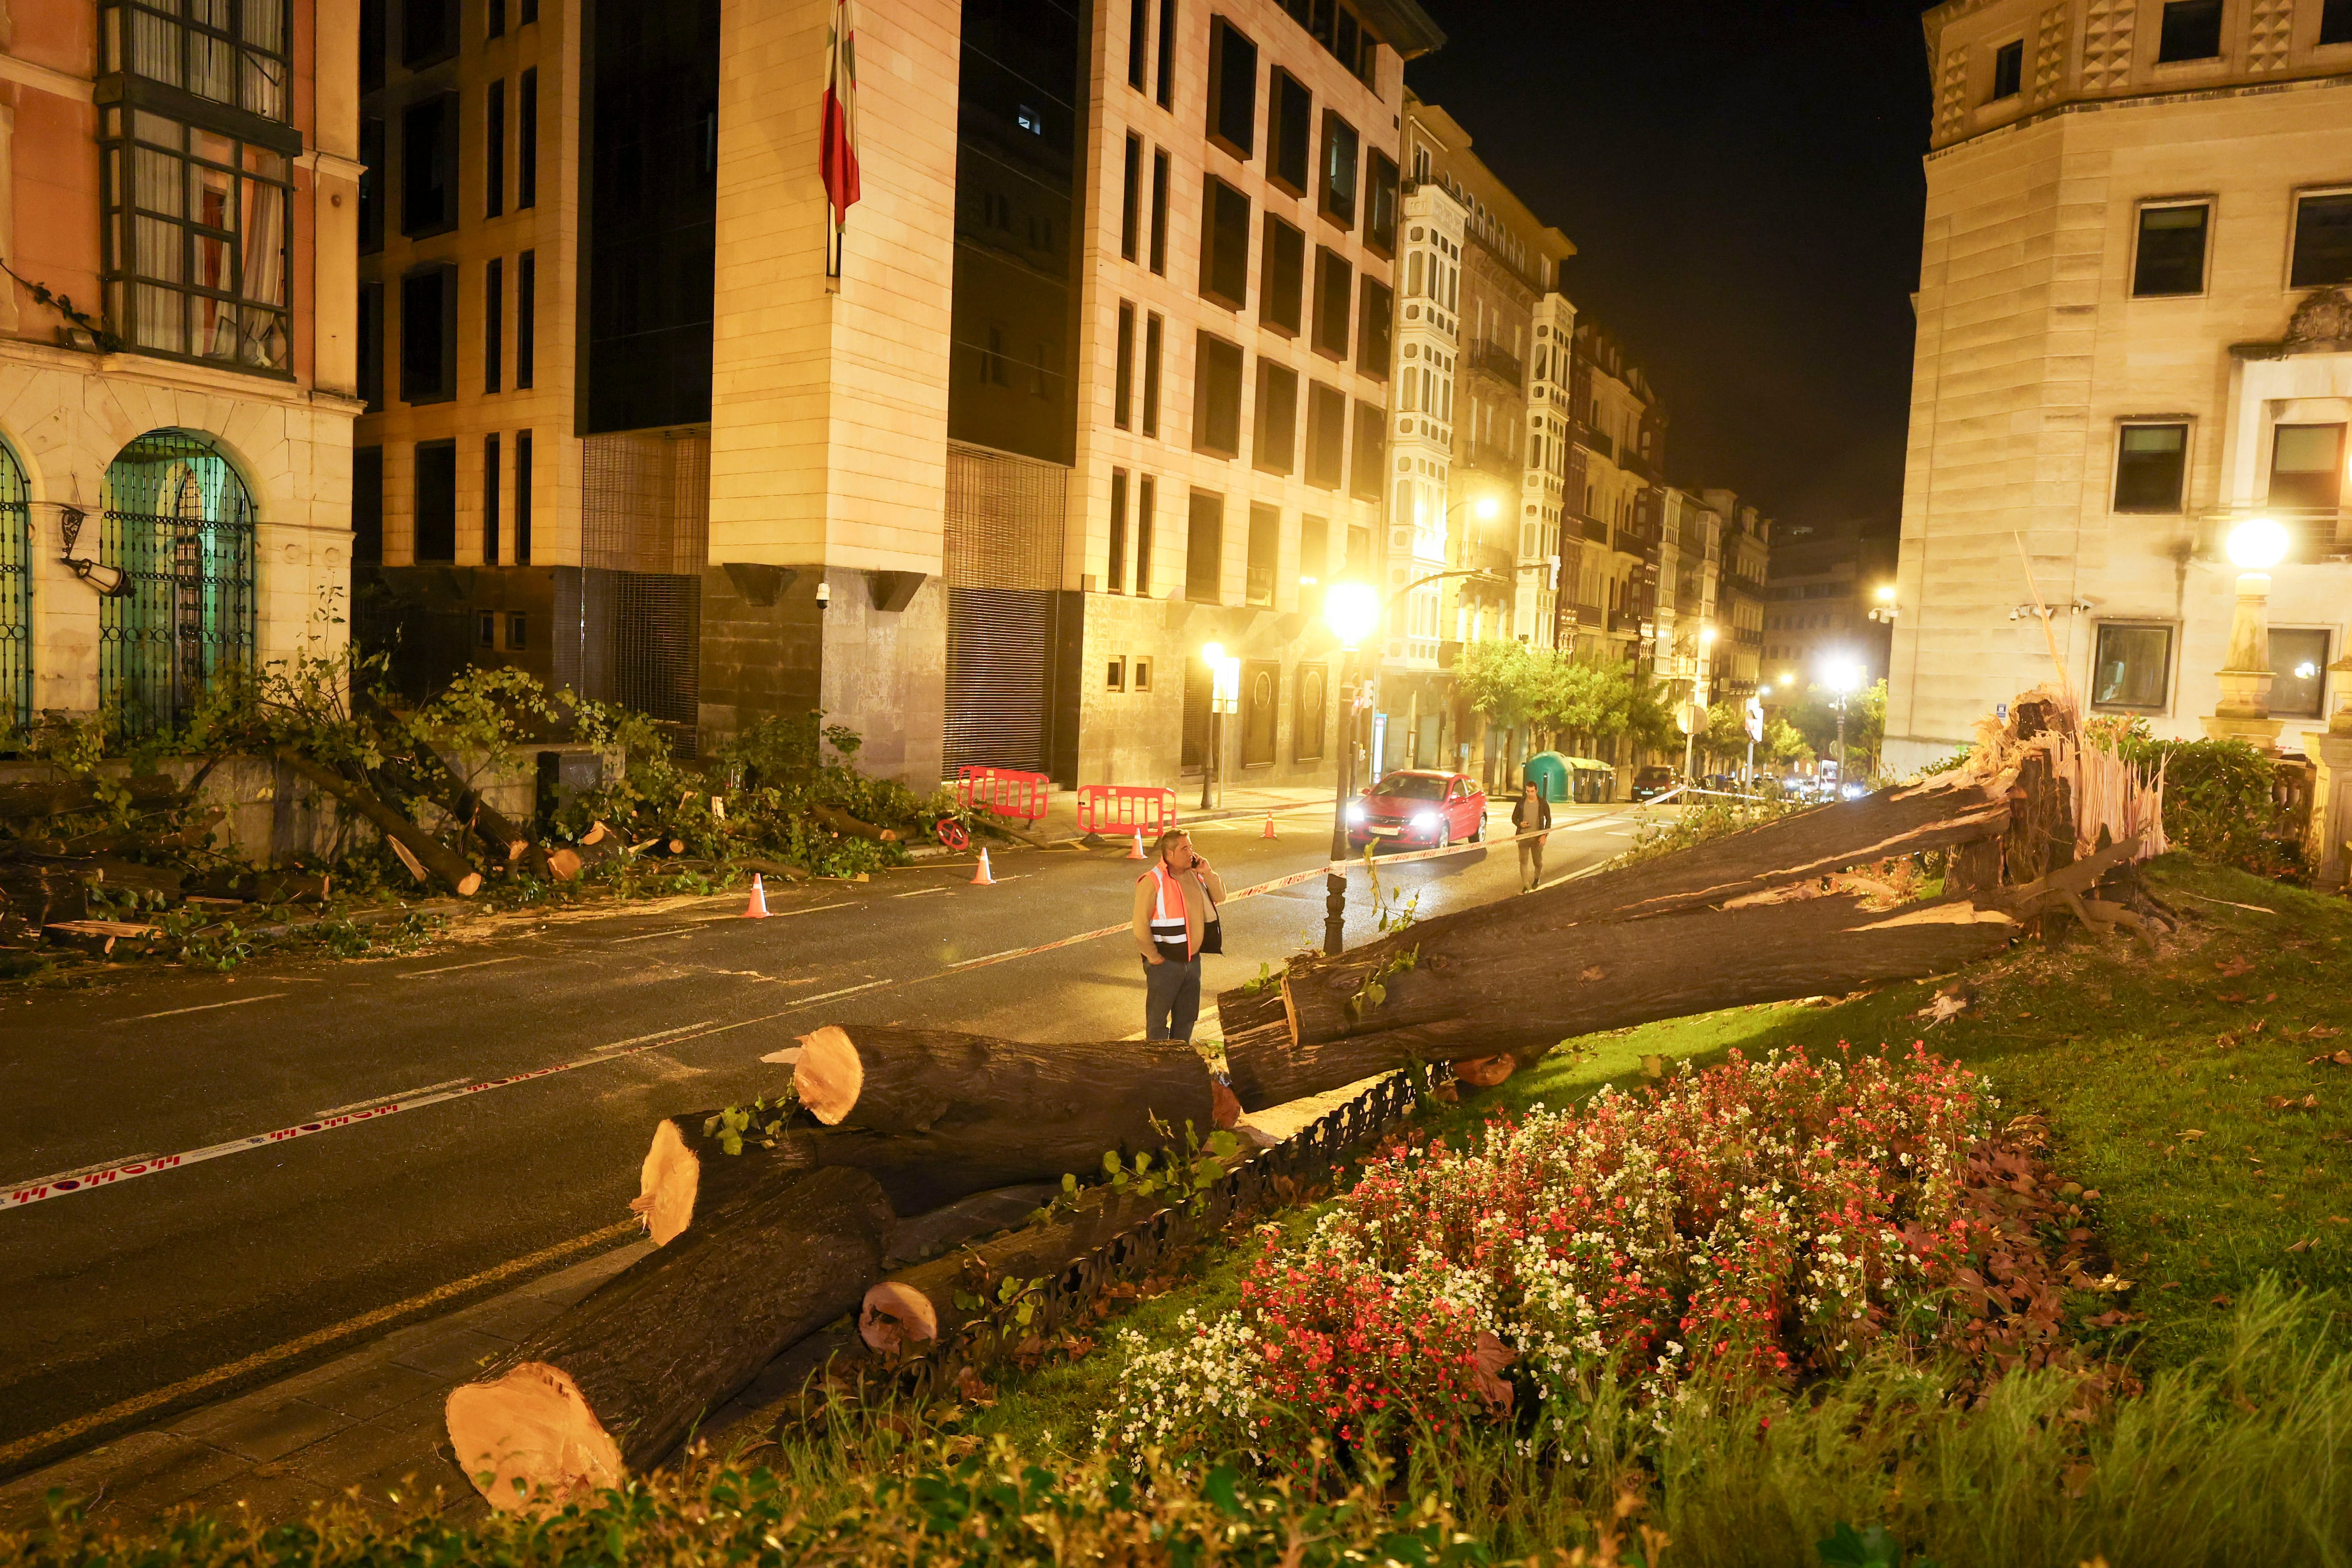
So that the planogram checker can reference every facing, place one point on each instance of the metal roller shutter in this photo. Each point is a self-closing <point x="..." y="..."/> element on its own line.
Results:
<point x="1003" y="565"/>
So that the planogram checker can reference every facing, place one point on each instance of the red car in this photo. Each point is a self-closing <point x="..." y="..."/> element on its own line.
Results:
<point x="1419" y="807"/>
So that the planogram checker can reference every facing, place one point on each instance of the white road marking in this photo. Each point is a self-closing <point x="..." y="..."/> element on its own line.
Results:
<point x="844" y="991"/>
<point x="453" y="968"/>
<point x="381" y="1099"/>
<point x="657" y="1034"/>
<point x="208" y="1006"/>
<point x="921" y="891"/>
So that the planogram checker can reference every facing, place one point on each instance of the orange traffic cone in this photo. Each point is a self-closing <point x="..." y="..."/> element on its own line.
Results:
<point x="1137" y="852"/>
<point x="758" y="908"/>
<point x="980" y="877"/>
<point x="1269" y="826"/>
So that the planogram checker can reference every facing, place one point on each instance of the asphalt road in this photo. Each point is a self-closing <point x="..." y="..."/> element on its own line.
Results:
<point x="113" y="1292"/>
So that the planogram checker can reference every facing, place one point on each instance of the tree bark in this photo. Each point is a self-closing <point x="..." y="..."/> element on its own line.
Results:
<point x="918" y="1305"/>
<point x="918" y="1081"/>
<point x="149" y="792"/>
<point x="433" y="854"/>
<point x="612" y="1385"/>
<point x="841" y="822"/>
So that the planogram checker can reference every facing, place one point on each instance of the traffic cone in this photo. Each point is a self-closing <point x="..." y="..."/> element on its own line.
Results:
<point x="1137" y="852"/>
<point x="980" y="877"/>
<point x="758" y="908"/>
<point x="1269" y="826"/>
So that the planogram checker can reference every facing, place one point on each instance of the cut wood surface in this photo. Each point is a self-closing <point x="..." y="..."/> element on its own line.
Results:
<point x="918" y="1305"/>
<point x="918" y="1080"/>
<point x="428" y="852"/>
<point x="615" y="1383"/>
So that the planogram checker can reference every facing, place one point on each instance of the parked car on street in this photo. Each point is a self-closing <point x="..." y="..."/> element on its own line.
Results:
<point x="1654" y="781"/>
<point x="1419" y="807"/>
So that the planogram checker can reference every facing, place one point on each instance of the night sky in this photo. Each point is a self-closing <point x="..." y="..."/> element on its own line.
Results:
<point x="1742" y="182"/>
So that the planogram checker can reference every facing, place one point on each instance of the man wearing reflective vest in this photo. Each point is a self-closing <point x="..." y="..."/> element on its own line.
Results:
<point x="1175" y="901"/>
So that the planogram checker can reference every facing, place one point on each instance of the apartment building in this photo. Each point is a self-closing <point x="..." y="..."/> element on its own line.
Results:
<point x="2133" y="337"/>
<point x="1740" y="641"/>
<point x="1478" y="442"/>
<point x="1689" y="637"/>
<point x="1615" y="469"/>
<point x="1824" y="606"/>
<point x="179" y="189"/>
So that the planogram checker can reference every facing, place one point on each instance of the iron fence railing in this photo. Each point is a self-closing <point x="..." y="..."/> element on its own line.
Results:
<point x="179" y="525"/>
<point x="16" y="594"/>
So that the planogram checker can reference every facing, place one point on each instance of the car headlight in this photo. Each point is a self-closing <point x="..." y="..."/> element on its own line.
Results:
<point x="1424" y="820"/>
<point x="1355" y="813"/>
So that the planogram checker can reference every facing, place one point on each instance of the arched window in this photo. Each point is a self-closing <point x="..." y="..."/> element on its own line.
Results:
<point x="16" y="594"/>
<point x="179" y="524"/>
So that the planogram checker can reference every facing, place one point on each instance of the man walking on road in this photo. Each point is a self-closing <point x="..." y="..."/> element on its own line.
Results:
<point x="1530" y="814"/>
<point x="1175" y="911"/>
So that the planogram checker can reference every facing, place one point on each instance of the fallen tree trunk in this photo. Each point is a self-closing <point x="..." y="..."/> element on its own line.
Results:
<point x="499" y="833"/>
<point x="920" y="1305"/>
<point x="149" y="792"/>
<point x="915" y="1080"/>
<point x="428" y="852"/>
<point x="614" y="1383"/>
<point x="686" y="1171"/>
<point x="841" y="822"/>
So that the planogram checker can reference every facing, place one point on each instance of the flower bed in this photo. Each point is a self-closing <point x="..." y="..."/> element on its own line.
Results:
<point x="1763" y="1222"/>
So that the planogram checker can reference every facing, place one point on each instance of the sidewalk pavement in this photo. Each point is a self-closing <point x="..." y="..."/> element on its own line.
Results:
<point x="370" y="1422"/>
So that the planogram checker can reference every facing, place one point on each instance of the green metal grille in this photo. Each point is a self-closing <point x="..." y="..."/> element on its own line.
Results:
<point x="179" y="523"/>
<point x="16" y="594"/>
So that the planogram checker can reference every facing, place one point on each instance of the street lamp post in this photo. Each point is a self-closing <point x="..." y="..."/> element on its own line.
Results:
<point x="1698" y="698"/>
<point x="2244" y="711"/>
<point x="1351" y="610"/>
<point x="1224" y="696"/>
<point x="1843" y="678"/>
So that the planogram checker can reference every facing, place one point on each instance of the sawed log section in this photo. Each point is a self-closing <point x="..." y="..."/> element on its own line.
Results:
<point x="923" y="1080"/>
<point x="614" y="1383"/>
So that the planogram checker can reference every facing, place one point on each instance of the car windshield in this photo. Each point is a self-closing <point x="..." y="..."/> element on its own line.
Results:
<point x="1656" y="775"/>
<point x="1411" y="787"/>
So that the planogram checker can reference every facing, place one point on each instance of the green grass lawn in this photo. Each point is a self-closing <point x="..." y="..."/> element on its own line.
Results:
<point x="2176" y="1082"/>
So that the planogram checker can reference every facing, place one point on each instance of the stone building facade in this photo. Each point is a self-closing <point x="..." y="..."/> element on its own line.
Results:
<point x="175" y="415"/>
<point x="2132" y="337"/>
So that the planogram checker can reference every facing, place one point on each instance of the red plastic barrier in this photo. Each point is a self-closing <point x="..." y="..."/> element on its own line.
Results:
<point x="1120" y="810"/>
<point x="1007" y="791"/>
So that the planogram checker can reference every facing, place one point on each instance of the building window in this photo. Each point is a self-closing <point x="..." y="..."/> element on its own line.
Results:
<point x="2307" y="466"/>
<point x="372" y="45"/>
<point x="1159" y="211"/>
<point x="1264" y="554"/>
<point x="198" y="228"/>
<point x="2336" y="21"/>
<point x="491" y="500"/>
<point x="235" y="52"/>
<point x="428" y="167"/>
<point x="2299" y="672"/>
<point x="1225" y="245"/>
<point x="530" y="12"/>
<point x="1274" y="443"/>
<point x="1334" y="297"/>
<point x="1232" y="88"/>
<point x="1131" y="207"/>
<point x="1205" y="549"/>
<point x="494" y="321"/>
<point x="2150" y="462"/>
<point x="494" y="150"/>
<point x="428" y="334"/>
<point x="1217" y="397"/>
<point x="1282" y="278"/>
<point x="523" y="447"/>
<point x="1371" y="445"/>
<point x="1338" y="201"/>
<point x="1115" y="676"/>
<point x="526" y="317"/>
<point x="436" y="501"/>
<point x="1117" y="581"/>
<point x="2323" y="240"/>
<point x="1289" y="134"/>
<point x="1153" y="332"/>
<point x="1326" y="435"/>
<point x="2132" y="667"/>
<point x="2192" y="31"/>
<point x="1123" y="396"/>
<point x="1139" y="41"/>
<point x="428" y="32"/>
<point x="2008" y="70"/>
<point x="518" y="626"/>
<point x="367" y="506"/>
<point x="494" y="19"/>
<point x="1376" y="322"/>
<point x="1380" y="205"/>
<point x="2171" y="258"/>
<point x="526" y="140"/>
<point x="371" y="346"/>
<point x="1146" y="489"/>
<point x="372" y="172"/>
<point x="1166" y="84"/>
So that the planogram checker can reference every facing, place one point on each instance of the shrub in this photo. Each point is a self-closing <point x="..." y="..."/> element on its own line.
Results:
<point x="2220" y="801"/>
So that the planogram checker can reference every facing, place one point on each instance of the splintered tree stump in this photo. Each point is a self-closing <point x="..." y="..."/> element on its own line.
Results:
<point x="918" y="1306"/>
<point x="612" y="1385"/>
<point x="921" y="1080"/>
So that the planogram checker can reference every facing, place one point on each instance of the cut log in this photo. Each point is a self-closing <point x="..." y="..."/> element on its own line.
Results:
<point x="499" y="833"/>
<point x="918" y="1306"/>
<point x="922" y="1237"/>
<point x="427" y="852"/>
<point x="149" y="792"/>
<point x="917" y="1080"/>
<point x="103" y="938"/>
<point x="130" y="876"/>
<point x="614" y="1383"/>
<point x="841" y="822"/>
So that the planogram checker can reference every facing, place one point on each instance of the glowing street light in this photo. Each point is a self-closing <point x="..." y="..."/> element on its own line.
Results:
<point x="1844" y="677"/>
<point x="2243" y="713"/>
<point x="1224" y="697"/>
<point x="1351" y="610"/>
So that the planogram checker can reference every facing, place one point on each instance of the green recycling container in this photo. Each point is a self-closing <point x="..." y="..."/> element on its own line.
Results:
<point x="1547" y="769"/>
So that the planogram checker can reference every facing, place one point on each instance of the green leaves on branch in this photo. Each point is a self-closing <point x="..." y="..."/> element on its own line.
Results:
<point x="762" y="1122"/>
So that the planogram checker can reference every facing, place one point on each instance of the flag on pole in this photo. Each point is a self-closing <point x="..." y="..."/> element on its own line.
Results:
<point x="839" y="147"/>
